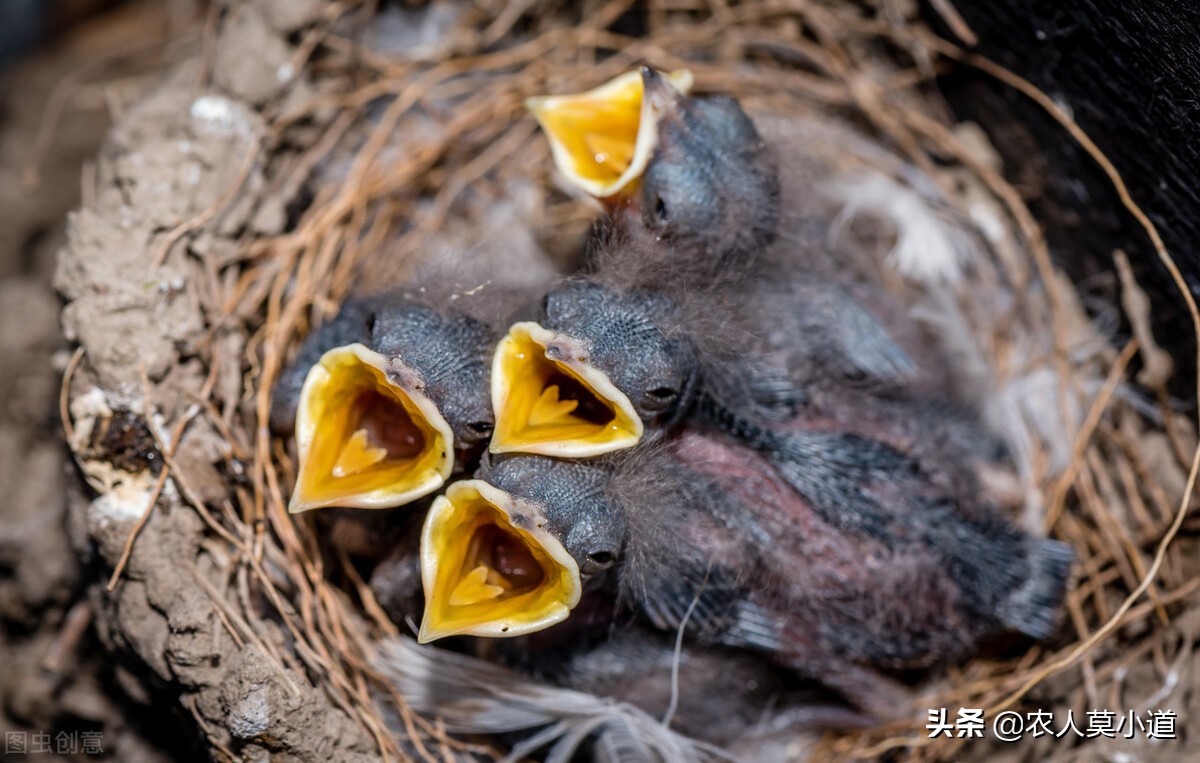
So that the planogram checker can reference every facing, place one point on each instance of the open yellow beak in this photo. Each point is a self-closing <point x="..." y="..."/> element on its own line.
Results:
<point x="549" y="400"/>
<point x="366" y="441"/>
<point x="490" y="569"/>
<point x="602" y="140"/>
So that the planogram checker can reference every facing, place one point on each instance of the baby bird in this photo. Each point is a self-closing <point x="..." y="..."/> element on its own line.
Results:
<point x="710" y="191"/>
<point x="609" y="365"/>
<point x="696" y="175"/>
<point x="867" y="464"/>
<point x="703" y="223"/>
<point x="384" y="400"/>
<point x="687" y="285"/>
<point x="591" y="376"/>
<point x="494" y="563"/>
<point x="718" y="544"/>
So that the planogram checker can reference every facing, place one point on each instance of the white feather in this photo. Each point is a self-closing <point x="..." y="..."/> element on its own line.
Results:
<point x="476" y="697"/>
<point x="926" y="248"/>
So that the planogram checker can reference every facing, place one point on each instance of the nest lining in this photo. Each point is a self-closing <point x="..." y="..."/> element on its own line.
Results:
<point x="403" y="155"/>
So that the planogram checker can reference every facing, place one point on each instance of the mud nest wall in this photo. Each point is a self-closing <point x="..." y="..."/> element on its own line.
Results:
<point x="303" y="148"/>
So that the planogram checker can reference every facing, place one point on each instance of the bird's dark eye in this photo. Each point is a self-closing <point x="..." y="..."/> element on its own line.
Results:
<point x="602" y="559"/>
<point x="662" y="394"/>
<point x="856" y="377"/>
<point x="660" y="209"/>
<point x="480" y="428"/>
<point x="658" y="399"/>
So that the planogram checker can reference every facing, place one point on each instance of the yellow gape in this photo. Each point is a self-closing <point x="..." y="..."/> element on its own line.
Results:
<point x="365" y="441"/>
<point x="489" y="568"/>
<point x="549" y="400"/>
<point x="602" y="140"/>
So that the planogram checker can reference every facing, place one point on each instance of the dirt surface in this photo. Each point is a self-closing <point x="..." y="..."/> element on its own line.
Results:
<point x="59" y="690"/>
<point x="134" y="302"/>
<point x="140" y="154"/>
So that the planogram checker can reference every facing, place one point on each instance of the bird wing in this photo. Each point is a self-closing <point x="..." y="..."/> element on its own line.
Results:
<point x="858" y="340"/>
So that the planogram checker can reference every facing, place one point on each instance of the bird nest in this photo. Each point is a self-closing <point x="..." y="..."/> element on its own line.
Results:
<point x="307" y="149"/>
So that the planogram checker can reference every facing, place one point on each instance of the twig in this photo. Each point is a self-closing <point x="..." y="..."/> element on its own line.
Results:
<point x="366" y="596"/>
<point x="79" y="617"/>
<point x="955" y="21"/>
<point x="176" y="437"/>
<point x="64" y="395"/>
<point x="1157" y="365"/>
<point x="1062" y="486"/>
<point x="211" y="211"/>
<point x="208" y="734"/>
<point x="137" y="528"/>
<point x="233" y="618"/>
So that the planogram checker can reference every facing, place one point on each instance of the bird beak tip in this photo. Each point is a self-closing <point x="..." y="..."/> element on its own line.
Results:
<point x="537" y="106"/>
<point x="663" y="93"/>
<point x="298" y="507"/>
<point x="427" y="633"/>
<point x="651" y="79"/>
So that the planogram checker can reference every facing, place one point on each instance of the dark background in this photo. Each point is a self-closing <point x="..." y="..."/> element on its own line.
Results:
<point x="1129" y="73"/>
